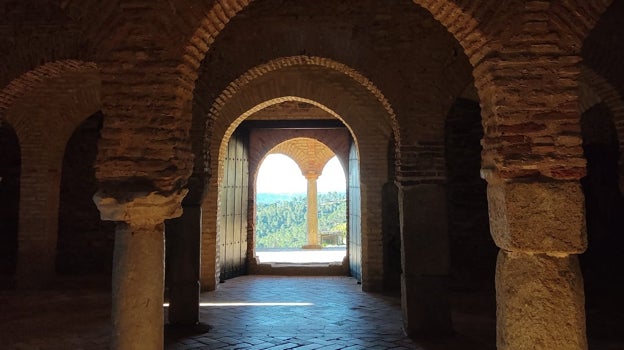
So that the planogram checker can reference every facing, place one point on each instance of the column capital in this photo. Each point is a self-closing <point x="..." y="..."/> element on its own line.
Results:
<point x="140" y="209"/>
<point x="311" y="175"/>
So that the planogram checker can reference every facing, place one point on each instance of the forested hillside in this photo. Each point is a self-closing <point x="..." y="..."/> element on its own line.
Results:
<point x="281" y="219"/>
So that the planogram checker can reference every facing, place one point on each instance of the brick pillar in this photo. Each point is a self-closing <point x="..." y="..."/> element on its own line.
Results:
<point x="183" y="252"/>
<point x="425" y="260"/>
<point x="312" y="219"/>
<point x="138" y="267"/>
<point x="532" y="159"/>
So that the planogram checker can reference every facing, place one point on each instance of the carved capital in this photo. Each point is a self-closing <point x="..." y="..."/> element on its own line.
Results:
<point x="140" y="209"/>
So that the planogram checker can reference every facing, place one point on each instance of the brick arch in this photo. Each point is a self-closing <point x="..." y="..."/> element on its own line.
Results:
<point x="45" y="106"/>
<point x="490" y="32"/>
<point x="310" y="154"/>
<point x="477" y="24"/>
<point x="447" y="12"/>
<point x="365" y="85"/>
<point x="472" y="22"/>
<point x="602" y="50"/>
<point x="337" y="141"/>
<point x="40" y="76"/>
<point x="52" y="99"/>
<point x="239" y="94"/>
<point x="604" y="92"/>
<point x="612" y="99"/>
<point x="294" y="148"/>
<point x="355" y="79"/>
<point x="223" y="145"/>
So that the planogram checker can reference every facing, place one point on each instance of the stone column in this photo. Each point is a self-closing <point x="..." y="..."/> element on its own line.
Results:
<point x="425" y="260"/>
<point x="138" y="267"/>
<point x="539" y="226"/>
<point x="313" y="234"/>
<point x="183" y="253"/>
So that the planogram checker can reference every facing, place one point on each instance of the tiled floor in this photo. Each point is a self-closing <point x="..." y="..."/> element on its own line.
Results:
<point x="256" y="312"/>
<point x="57" y="319"/>
<point x="250" y="312"/>
<point x="303" y="313"/>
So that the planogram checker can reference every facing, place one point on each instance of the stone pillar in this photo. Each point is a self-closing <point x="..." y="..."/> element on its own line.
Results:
<point x="312" y="220"/>
<point x="539" y="226"/>
<point x="183" y="254"/>
<point x="138" y="267"/>
<point x="425" y="260"/>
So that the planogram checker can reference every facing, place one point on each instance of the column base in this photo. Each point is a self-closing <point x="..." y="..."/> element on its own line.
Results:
<point x="311" y="246"/>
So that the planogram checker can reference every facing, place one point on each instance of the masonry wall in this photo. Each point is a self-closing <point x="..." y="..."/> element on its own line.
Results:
<point x="391" y="227"/>
<point x="85" y="243"/>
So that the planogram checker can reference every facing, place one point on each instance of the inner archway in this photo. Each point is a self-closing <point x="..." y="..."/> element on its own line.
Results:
<point x="346" y="99"/>
<point x="309" y="134"/>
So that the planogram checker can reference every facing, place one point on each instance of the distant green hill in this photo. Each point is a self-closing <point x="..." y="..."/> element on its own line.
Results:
<point x="268" y="198"/>
<point x="281" y="218"/>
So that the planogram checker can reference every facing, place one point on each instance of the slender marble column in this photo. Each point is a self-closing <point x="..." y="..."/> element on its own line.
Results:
<point x="313" y="234"/>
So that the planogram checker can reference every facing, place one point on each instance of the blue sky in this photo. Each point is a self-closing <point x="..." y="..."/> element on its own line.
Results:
<point x="280" y="174"/>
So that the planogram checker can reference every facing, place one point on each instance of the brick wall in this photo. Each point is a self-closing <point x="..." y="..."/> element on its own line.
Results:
<point x="85" y="243"/>
<point x="45" y="106"/>
<point x="473" y="253"/>
<point x="33" y="33"/>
